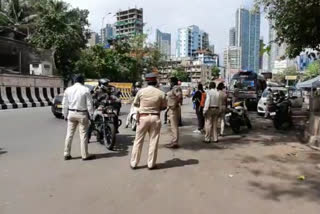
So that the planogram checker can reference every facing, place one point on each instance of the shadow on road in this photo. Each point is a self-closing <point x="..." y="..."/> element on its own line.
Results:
<point x="176" y="162"/>
<point x="2" y="151"/>
<point x="282" y="180"/>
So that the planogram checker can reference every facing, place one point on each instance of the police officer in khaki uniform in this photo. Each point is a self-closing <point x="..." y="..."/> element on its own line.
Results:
<point x="150" y="101"/>
<point x="174" y="100"/>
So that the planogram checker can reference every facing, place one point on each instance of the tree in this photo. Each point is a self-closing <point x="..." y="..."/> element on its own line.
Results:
<point x="313" y="70"/>
<point x="62" y="29"/>
<point x="215" y="72"/>
<point x="18" y="16"/>
<point x="180" y="74"/>
<point x="296" y="22"/>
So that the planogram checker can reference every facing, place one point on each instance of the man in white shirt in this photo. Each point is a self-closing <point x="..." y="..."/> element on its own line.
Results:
<point x="77" y="107"/>
<point x="211" y="112"/>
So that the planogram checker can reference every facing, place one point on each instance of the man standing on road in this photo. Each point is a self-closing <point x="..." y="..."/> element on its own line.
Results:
<point x="150" y="101"/>
<point x="211" y="112"/>
<point x="174" y="100"/>
<point x="197" y="99"/>
<point x="77" y="106"/>
<point x="223" y="106"/>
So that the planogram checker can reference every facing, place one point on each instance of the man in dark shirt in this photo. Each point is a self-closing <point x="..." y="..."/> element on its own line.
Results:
<point x="196" y="99"/>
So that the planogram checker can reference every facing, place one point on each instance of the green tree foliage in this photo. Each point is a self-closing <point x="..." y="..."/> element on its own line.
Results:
<point x="62" y="29"/>
<point x="313" y="70"/>
<point x="215" y="72"/>
<point x="296" y="22"/>
<point x="18" y="16"/>
<point x="180" y="74"/>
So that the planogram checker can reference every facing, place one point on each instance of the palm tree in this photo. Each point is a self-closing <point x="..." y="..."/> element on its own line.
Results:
<point x="17" y="15"/>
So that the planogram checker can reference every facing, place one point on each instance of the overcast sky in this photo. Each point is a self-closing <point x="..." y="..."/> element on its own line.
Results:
<point x="213" y="16"/>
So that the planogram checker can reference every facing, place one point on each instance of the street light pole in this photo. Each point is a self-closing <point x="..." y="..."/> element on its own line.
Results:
<point x="103" y="18"/>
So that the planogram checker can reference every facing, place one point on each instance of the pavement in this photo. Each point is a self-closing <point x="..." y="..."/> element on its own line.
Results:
<point x="260" y="171"/>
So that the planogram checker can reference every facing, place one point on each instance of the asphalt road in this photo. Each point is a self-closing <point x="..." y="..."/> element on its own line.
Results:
<point x="248" y="174"/>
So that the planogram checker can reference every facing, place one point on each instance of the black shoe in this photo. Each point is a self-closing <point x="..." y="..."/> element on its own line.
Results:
<point x="67" y="157"/>
<point x="207" y="142"/>
<point x="90" y="157"/>
<point x="133" y="167"/>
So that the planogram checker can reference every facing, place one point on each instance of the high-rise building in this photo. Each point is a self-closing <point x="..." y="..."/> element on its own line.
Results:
<point x="94" y="39"/>
<point x="129" y="23"/>
<point x="248" y="38"/>
<point x="232" y="61"/>
<point x="232" y="37"/>
<point x="212" y="49"/>
<point x="191" y="39"/>
<point x="107" y="33"/>
<point x="163" y="41"/>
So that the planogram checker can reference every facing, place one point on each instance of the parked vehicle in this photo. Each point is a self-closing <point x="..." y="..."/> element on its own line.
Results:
<point x="237" y="116"/>
<point x="281" y="114"/>
<point x="247" y="86"/>
<point x="294" y="95"/>
<point x="133" y="118"/>
<point x="104" y="125"/>
<point x="262" y="104"/>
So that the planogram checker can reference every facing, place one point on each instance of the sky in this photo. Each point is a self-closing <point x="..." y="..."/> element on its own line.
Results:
<point x="215" y="17"/>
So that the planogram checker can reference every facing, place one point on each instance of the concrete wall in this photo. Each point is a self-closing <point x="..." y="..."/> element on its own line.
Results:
<point x="30" y="81"/>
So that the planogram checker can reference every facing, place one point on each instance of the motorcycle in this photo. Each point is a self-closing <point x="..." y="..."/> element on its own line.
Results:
<point x="280" y="113"/>
<point x="104" y="124"/>
<point x="132" y="118"/>
<point x="237" y="116"/>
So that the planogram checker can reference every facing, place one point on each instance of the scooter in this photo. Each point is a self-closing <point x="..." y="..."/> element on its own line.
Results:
<point x="132" y="118"/>
<point x="237" y="116"/>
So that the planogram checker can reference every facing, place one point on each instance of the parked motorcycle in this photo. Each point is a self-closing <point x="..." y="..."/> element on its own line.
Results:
<point x="132" y="118"/>
<point x="105" y="124"/>
<point x="280" y="113"/>
<point x="237" y="116"/>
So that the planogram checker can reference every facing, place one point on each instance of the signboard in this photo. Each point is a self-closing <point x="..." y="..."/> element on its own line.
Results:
<point x="291" y="77"/>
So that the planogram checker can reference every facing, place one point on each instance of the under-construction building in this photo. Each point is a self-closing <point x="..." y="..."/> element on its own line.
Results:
<point x="129" y="23"/>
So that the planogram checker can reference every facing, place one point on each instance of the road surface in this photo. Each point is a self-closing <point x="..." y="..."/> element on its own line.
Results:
<point x="256" y="172"/>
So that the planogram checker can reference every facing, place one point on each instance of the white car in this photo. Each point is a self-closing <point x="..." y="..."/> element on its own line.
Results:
<point x="262" y="104"/>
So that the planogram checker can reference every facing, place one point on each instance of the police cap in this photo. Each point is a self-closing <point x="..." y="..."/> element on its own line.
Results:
<point x="151" y="77"/>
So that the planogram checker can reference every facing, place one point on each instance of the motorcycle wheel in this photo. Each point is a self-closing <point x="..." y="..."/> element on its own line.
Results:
<point x="109" y="136"/>
<point x="248" y="123"/>
<point x="276" y="123"/>
<point x="134" y="125"/>
<point x="235" y="126"/>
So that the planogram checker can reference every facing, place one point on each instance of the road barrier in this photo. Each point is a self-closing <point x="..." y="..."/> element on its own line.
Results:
<point x="26" y="97"/>
<point x="124" y="88"/>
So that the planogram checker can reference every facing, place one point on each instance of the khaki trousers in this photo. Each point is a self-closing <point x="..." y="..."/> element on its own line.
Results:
<point x="211" y="124"/>
<point x="150" y="124"/>
<point x="174" y="115"/>
<point x="75" y="119"/>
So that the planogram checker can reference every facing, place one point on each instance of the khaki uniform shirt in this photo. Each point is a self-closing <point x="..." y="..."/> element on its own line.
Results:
<point x="150" y="100"/>
<point x="222" y="100"/>
<point x="174" y="97"/>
